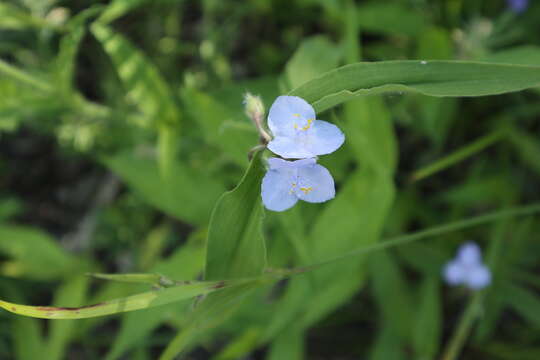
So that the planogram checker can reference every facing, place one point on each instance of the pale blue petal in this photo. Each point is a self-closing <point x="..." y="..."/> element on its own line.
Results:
<point x="469" y="254"/>
<point x="478" y="277"/>
<point x="454" y="273"/>
<point x="277" y="163"/>
<point x="315" y="184"/>
<point x="276" y="190"/>
<point x="288" y="148"/>
<point x="287" y="111"/>
<point x="325" y="138"/>
<point x="303" y="162"/>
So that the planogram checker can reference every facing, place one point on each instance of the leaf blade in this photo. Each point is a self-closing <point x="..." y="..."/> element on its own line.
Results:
<point x="144" y="300"/>
<point x="236" y="245"/>
<point x="434" y="78"/>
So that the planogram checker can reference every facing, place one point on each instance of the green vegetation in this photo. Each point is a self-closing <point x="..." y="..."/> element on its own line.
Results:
<point x="131" y="223"/>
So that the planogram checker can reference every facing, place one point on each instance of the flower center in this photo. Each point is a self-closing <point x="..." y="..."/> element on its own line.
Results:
<point x="302" y="128"/>
<point x="293" y="185"/>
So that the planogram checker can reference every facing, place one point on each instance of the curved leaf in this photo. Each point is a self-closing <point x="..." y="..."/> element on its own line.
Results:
<point x="145" y="300"/>
<point x="236" y="245"/>
<point x="178" y="194"/>
<point x="141" y="79"/>
<point x="433" y="78"/>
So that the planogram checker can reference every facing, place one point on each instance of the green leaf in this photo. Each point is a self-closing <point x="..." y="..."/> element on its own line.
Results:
<point x="314" y="56"/>
<point x="69" y="45"/>
<point x="186" y="193"/>
<point x="434" y="44"/>
<point x="519" y="55"/>
<point x="142" y="81"/>
<point x="137" y="327"/>
<point x="119" y="8"/>
<point x="27" y="339"/>
<point x="392" y="295"/>
<point x="434" y="78"/>
<point x="527" y="148"/>
<point x="185" y="263"/>
<point x="13" y="17"/>
<point x="370" y="134"/>
<point x="427" y="328"/>
<point x="146" y="88"/>
<point x="145" y="300"/>
<point x="387" y="346"/>
<point x="241" y="346"/>
<point x="235" y="249"/>
<point x="152" y="279"/>
<point x="391" y="18"/>
<point x="213" y="311"/>
<point x="236" y="246"/>
<point x="288" y="345"/>
<point x="233" y="133"/>
<point x="34" y="254"/>
<point x="35" y="82"/>
<point x="524" y="302"/>
<point x="71" y="293"/>
<point x="9" y="207"/>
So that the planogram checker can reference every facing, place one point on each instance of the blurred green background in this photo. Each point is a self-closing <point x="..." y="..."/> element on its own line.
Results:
<point x="121" y="123"/>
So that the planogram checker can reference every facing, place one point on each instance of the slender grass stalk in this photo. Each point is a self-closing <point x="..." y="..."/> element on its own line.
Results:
<point x="457" y="156"/>
<point x="464" y="328"/>
<point x="434" y="231"/>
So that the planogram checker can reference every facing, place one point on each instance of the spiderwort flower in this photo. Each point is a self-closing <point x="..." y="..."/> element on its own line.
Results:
<point x="287" y="181"/>
<point x="517" y="6"/>
<point x="467" y="268"/>
<point x="297" y="134"/>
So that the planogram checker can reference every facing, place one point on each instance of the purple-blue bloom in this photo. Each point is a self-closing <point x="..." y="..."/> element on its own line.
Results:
<point x="287" y="181"/>
<point x="518" y="6"/>
<point x="467" y="268"/>
<point x="297" y="134"/>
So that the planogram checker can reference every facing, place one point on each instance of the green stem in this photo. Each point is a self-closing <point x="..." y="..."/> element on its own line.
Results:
<point x="457" y="156"/>
<point x="464" y="328"/>
<point x="166" y="144"/>
<point x="434" y="231"/>
<point x="353" y="46"/>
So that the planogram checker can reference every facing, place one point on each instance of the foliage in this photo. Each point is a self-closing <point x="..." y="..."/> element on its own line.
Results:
<point x="132" y="180"/>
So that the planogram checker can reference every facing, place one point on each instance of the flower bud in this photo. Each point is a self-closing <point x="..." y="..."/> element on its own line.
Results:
<point x="253" y="106"/>
<point x="254" y="109"/>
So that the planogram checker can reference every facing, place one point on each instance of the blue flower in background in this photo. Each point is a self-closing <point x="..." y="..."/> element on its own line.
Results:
<point x="518" y="6"/>
<point x="467" y="268"/>
<point x="297" y="134"/>
<point x="287" y="181"/>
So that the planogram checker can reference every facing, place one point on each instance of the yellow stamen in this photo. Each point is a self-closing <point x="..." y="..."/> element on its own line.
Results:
<point x="304" y="128"/>
<point x="309" y="122"/>
<point x="306" y="190"/>
<point x="296" y="115"/>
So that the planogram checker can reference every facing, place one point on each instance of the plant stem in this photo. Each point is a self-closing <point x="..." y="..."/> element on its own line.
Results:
<point x="457" y="156"/>
<point x="463" y="329"/>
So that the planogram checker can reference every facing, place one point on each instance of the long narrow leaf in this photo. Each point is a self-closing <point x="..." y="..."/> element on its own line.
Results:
<point x="433" y="78"/>
<point x="135" y="302"/>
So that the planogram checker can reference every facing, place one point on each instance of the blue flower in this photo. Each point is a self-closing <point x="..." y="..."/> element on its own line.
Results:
<point x="467" y="268"/>
<point x="297" y="134"/>
<point x="518" y="6"/>
<point x="287" y="181"/>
